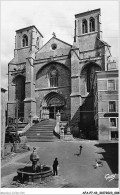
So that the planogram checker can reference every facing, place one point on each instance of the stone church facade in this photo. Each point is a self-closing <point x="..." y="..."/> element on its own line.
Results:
<point x="57" y="76"/>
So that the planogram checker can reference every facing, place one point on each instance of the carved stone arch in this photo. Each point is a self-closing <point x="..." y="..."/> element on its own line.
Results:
<point x="19" y="74"/>
<point x="89" y="64"/>
<point x="87" y="74"/>
<point x="51" y="103"/>
<point x="53" y="63"/>
<point x="50" y="96"/>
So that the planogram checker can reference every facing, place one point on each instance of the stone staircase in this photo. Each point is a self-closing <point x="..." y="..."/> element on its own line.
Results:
<point x="42" y="131"/>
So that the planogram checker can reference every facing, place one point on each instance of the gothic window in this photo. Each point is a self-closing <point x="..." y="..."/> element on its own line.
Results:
<point x="53" y="78"/>
<point x="25" y="41"/>
<point x="92" y="24"/>
<point x="84" y="26"/>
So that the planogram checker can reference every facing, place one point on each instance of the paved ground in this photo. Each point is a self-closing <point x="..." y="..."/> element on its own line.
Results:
<point x="74" y="170"/>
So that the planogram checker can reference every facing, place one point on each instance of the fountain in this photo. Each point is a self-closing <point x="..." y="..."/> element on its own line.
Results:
<point x="34" y="173"/>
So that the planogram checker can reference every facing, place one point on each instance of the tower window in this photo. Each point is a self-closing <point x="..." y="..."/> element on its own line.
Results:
<point x="84" y="26"/>
<point x="92" y="24"/>
<point x="53" y="78"/>
<point x="25" y="41"/>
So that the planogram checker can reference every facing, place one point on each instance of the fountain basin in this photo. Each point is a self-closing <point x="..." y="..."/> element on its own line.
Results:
<point x="27" y="174"/>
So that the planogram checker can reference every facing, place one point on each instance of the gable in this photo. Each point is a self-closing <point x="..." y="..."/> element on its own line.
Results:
<point x="54" y="47"/>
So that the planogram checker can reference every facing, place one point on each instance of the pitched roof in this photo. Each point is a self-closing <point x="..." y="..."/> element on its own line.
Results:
<point x="29" y="27"/>
<point x="87" y="12"/>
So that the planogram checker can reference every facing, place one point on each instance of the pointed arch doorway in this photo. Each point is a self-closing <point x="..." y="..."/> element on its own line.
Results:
<point x="51" y="103"/>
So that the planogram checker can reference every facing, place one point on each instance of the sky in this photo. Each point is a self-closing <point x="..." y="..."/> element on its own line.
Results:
<point x="52" y="16"/>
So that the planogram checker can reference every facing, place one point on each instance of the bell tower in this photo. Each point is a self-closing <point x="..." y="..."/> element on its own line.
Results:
<point x="20" y="71"/>
<point x="27" y="42"/>
<point x="32" y="39"/>
<point x="87" y="26"/>
<point x="86" y="58"/>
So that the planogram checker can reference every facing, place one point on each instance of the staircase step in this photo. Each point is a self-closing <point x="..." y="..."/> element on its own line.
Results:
<point x="41" y="137"/>
<point x="39" y="134"/>
<point x="35" y="132"/>
<point x="42" y="132"/>
<point x="42" y="140"/>
<point x="42" y="129"/>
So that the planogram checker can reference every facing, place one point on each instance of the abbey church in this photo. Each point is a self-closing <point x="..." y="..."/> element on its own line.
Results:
<point x="57" y="76"/>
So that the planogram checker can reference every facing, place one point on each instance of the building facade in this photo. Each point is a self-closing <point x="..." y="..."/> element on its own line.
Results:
<point x="106" y="104"/>
<point x="57" y="76"/>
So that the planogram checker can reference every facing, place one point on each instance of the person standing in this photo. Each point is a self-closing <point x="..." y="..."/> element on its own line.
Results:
<point x="55" y="165"/>
<point x="80" y="149"/>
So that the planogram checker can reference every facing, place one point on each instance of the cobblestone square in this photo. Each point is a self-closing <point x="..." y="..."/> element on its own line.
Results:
<point x="75" y="171"/>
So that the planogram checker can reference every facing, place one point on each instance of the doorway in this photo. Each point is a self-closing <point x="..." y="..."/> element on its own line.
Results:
<point x="53" y="111"/>
<point x="51" y="103"/>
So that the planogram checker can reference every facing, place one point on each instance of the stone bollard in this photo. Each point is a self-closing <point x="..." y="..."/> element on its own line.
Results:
<point x="30" y="116"/>
<point x="62" y="133"/>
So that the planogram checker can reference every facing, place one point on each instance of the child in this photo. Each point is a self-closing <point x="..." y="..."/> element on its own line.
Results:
<point x="98" y="164"/>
